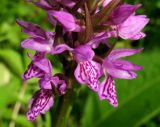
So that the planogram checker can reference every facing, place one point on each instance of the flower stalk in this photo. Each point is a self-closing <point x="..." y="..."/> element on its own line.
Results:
<point x="64" y="108"/>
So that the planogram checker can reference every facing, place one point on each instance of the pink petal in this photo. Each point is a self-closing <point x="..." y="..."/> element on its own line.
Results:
<point x="36" y="44"/>
<point x="138" y="36"/>
<point x="31" y="72"/>
<point x="83" y="53"/>
<point x="31" y="29"/>
<point x="118" y="53"/>
<point x="44" y="65"/>
<point x="49" y="81"/>
<point x="132" y="26"/>
<point x="122" y="74"/>
<point x="99" y="38"/>
<point x="40" y="103"/>
<point x="126" y="65"/>
<point x="116" y="72"/>
<point x="60" y="48"/>
<point x="66" y="19"/>
<point x="88" y="72"/>
<point x="43" y="4"/>
<point x="107" y="91"/>
<point x="122" y="12"/>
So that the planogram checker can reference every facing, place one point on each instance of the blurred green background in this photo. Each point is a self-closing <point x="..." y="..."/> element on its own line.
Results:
<point x="139" y="99"/>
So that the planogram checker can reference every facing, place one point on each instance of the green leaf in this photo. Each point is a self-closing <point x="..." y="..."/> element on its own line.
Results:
<point x="12" y="60"/>
<point x="8" y="93"/>
<point x="4" y="74"/>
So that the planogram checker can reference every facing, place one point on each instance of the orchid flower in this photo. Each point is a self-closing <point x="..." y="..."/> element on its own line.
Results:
<point x="43" y="99"/>
<point x="124" y="22"/>
<point x="87" y="71"/>
<point x="113" y="67"/>
<point x="38" y="67"/>
<point x="40" y="41"/>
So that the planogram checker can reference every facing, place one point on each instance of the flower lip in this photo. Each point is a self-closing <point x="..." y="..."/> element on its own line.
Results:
<point x="107" y="91"/>
<point x="41" y="102"/>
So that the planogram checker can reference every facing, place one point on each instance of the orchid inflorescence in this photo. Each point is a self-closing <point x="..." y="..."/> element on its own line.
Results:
<point x="80" y="27"/>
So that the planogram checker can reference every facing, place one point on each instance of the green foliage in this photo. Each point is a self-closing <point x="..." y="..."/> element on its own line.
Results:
<point x="12" y="60"/>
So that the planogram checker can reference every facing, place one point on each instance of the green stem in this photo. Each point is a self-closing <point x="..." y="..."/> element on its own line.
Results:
<point x="18" y="105"/>
<point x="64" y="107"/>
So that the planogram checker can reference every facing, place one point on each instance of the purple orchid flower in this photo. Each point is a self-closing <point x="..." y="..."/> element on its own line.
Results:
<point x="50" y="82"/>
<point x="38" y="67"/>
<point x="127" y="25"/>
<point x="131" y="28"/>
<point x="87" y="70"/>
<point x="121" y="68"/>
<point x="40" y="41"/>
<point x="43" y="100"/>
<point x="115" y="68"/>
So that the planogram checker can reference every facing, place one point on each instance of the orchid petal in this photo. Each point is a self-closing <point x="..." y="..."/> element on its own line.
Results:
<point x="66" y="19"/>
<point x="60" y="48"/>
<point x="49" y="82"/>
<point x="38" y="67"/>
<point x="107" y="91"/>
<point x="132" y="26"/>
<point x="36" y="44"/>
<point x="118" y="53"/>
<point x="32" y="71"/>
<point x="31" y="29"/>
<point x="95" y="41"/>
<point x="42" y="4"/>
<point x="126" y="65"/>
<point x="138" y="36"/>
<point x="122" y="12"/>
<point x="83" y="53"/>
<point x="116" y="72"/>
<point x="88" y="72"/>
<point x="45" y="65"/>
<point x="41" y="102"/>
